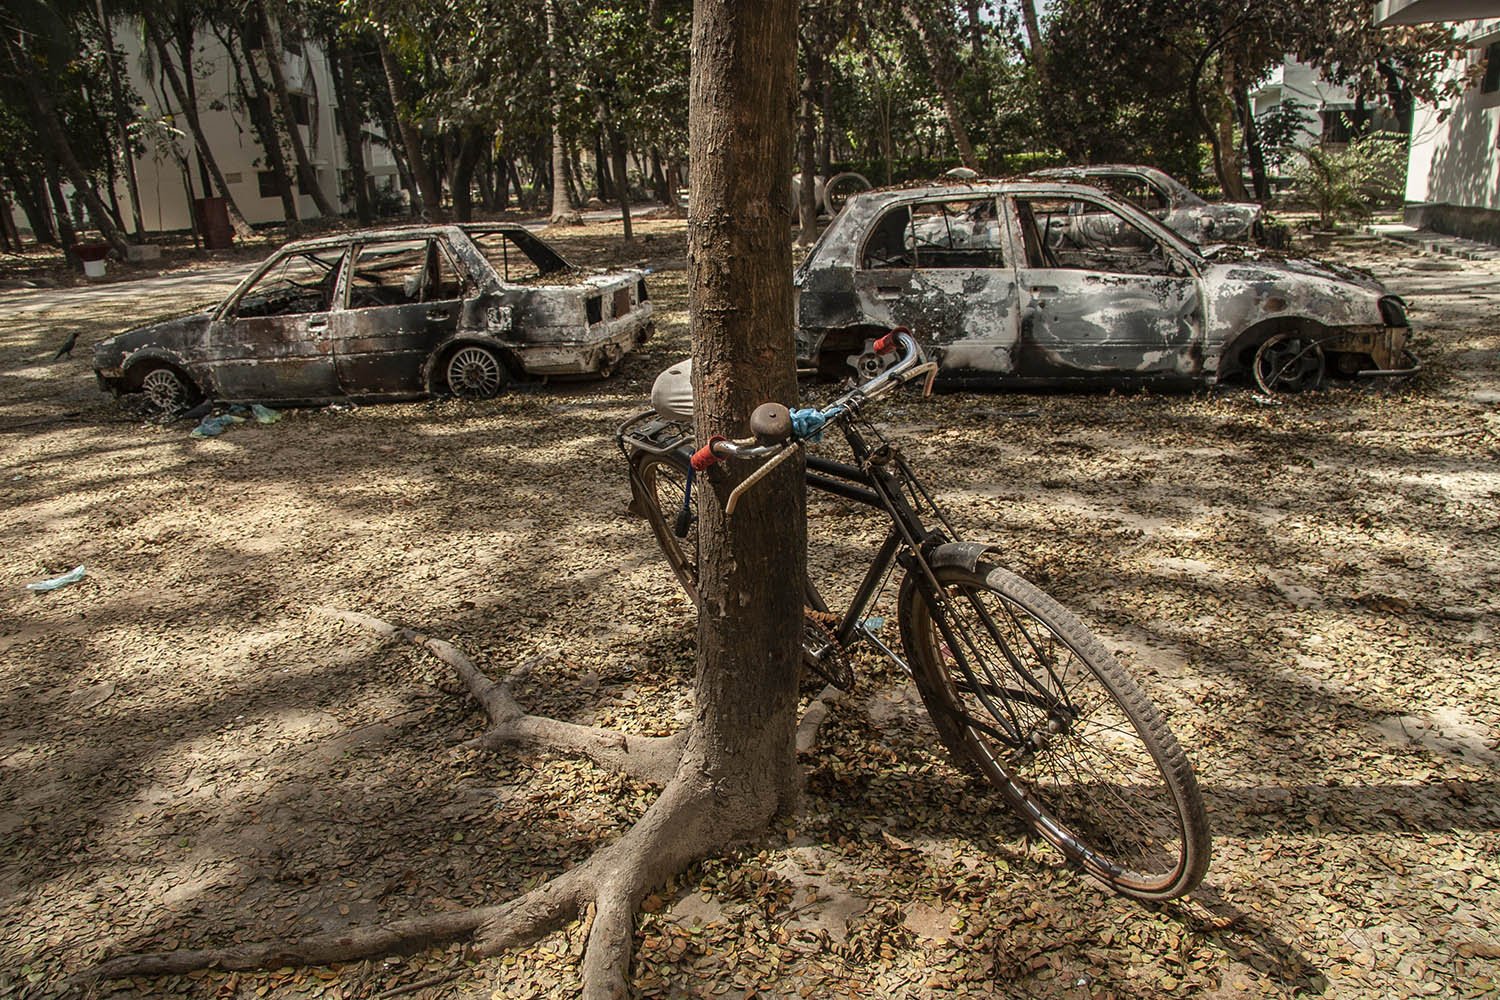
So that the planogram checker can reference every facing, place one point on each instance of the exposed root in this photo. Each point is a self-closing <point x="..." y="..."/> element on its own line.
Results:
<point x="814" y="717"/>
<point x="648" y="758"/>
<point x="395" y="938"/>
<point x="692" y="816"/>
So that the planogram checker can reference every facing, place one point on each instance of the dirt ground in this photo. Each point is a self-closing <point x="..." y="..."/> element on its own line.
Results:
<point x="191" y="752"/>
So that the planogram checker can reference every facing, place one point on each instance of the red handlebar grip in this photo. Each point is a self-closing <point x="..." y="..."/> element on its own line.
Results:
<point x="889" y="343"/>
<point x="705" y="457"/>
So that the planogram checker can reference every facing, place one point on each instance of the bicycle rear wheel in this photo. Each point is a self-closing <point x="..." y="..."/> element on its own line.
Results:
<point x="663" y="485"/>
<point x="671" y="508"/>
<point x="1021" y="692"/>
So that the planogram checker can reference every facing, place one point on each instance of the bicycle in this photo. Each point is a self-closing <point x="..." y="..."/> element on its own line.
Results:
<point x="1019" y="690"/>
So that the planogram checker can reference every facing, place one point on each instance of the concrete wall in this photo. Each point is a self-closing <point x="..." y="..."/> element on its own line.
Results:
<point x="1453" y="167"/>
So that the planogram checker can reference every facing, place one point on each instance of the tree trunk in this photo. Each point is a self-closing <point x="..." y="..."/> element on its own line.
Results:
<point x="66" y="234"/>
<point x="622" y="183"/>
<point x="200" y="141"/>
<point x="471" y="144"/>
<point x="50" y="125"/>
<point x="31" y="195"/>
<point x="1254" y="156"/>
<point x="562" y="211"/>
<point x="1230" y="178"/>
<point x="351" y="122"/>
<point x="264" y="123"/>
<point x="1034" y="42"/>
<point x="307" y="177"/>
<point x="8" y="235"/>
<point x="526" y="197"/>
<point x="117" y="97"/>
<point x="739" y="282"/>
<point x="411" y="137"/>
<point x="939" y="49"/>
<point x="807" y="189"/>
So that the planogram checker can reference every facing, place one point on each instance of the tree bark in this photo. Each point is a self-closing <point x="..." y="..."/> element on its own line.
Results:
<point x="1230" y="178"/>
<point x="411" y="137"/>
<point x="264" y="122"/>
<point x="471" y="144"/>
<point x="195" y="126"/>
<point x="1255" y="157"/>
<point x="351" y="122"/>
<point x="739" y="281"/>
<point x="807" y="189"/>
<point x="50" y="125"/>
<point x="307" y="177"/>
<point x="939" y="49"/>
<point x="117" y="96"/>
<point x="562" y="210"/>
<point x="1034" y="41"/>
<point x="61" y="221"/>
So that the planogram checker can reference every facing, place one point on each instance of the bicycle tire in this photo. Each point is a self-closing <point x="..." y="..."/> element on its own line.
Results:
<point x="1096" y="772"/>
<point x="661" y="483"/>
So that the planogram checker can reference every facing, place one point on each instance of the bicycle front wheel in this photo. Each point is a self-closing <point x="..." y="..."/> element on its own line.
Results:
<point x="665" y="489"/>
<point x="1023" y="693"/>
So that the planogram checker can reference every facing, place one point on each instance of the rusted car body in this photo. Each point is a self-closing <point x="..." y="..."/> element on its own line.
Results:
<point x="1046" y="283"/>
<point x="388" y="314"/>
<point x="1169" y="201"/>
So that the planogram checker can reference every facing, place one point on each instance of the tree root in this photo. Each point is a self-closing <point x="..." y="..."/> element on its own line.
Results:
<point x="649" y="758"/>
<point x="692" y="816"/>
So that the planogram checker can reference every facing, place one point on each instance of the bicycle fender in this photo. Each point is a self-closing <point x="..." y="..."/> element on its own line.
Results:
<point x="965" y="555"/>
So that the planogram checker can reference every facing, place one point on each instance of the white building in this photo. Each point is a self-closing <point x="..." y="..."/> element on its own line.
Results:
<point x="1329" y="107"/>
<point x="1453" y="167"/>
<point x="167" y="191"/>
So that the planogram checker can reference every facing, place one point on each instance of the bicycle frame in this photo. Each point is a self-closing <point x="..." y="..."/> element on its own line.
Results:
<point x="871" y="483"/>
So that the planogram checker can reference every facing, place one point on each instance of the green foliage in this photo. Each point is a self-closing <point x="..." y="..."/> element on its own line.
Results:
<point x="1346" y="182"/>
<point x="1280" y="129"/>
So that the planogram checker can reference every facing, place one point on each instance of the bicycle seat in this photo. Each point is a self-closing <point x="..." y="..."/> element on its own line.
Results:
<point x="672" y="393"/>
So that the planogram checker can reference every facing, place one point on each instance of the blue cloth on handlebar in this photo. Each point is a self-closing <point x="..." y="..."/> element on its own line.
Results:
<point x="807" y="425"/>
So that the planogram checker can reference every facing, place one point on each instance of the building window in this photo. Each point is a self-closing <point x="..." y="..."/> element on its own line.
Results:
<point x="1491" y="82"/>
<point x="301" y="109"/>
<point x="268" y="186"/>
<point x="306" y="180"/>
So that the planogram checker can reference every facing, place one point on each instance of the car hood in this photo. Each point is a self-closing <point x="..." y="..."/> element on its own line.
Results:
<point x="1255" y="263"/>
<point x="171" y="335"/>
<point x="1246" y="286"/>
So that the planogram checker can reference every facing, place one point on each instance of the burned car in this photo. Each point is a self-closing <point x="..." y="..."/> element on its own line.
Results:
<point x="1170" y="201"/>
<point x="1028" y="283"/>
<point x="387" y="314"/>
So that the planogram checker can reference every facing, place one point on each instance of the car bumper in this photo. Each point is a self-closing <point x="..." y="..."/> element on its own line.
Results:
<point x="597" y="353"/>
<point x="1385" y="346"/>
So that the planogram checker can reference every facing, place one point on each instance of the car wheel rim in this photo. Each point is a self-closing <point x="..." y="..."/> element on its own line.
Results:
<point x="474" y="373"/>
<point x="164" y="391"/>
<point x="1288" y="364"/>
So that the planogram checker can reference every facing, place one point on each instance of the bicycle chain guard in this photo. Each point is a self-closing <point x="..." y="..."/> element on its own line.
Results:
<point x="831" y="660"/>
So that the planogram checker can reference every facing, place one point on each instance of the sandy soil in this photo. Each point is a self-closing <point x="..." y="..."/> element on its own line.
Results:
<point x="191" y="753"/>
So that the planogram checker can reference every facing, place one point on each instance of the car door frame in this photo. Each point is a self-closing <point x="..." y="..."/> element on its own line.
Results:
<point x="245" y="367"/>
<point x="386" y="355"/>
<point x="1070" y="316"/>
<point x="968" y="315"/>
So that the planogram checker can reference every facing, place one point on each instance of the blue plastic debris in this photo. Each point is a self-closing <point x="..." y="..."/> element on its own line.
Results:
<point x="72" y="576"/>
<point x="216" y="425"/>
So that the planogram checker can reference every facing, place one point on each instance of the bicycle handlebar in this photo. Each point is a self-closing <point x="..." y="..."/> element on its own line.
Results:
<point x="794" y="427"/>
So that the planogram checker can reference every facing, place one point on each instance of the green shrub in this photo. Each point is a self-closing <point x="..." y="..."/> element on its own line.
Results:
<point x="1343" y="182"/>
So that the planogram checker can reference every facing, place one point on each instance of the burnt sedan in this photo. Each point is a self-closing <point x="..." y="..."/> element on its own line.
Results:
<point x="1169" y="201"/>
<point x="387" y="314"/>
<point x="1027" y="283"/>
